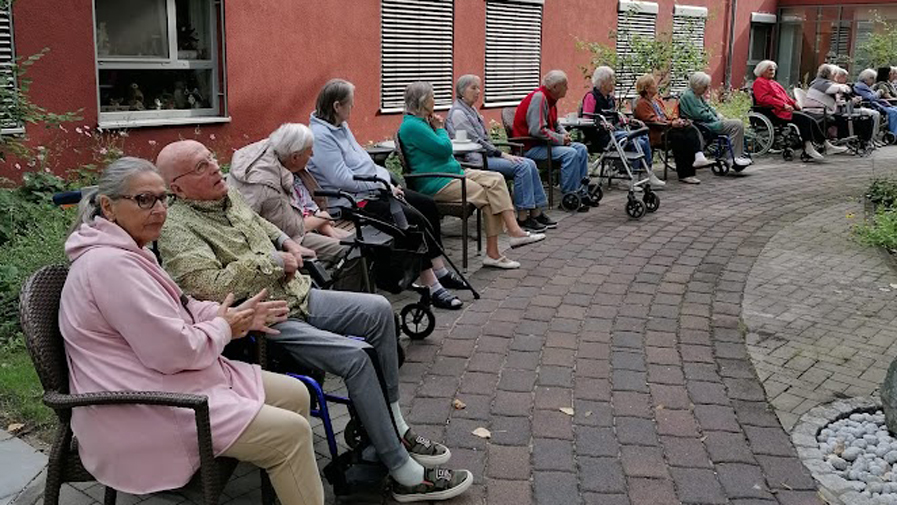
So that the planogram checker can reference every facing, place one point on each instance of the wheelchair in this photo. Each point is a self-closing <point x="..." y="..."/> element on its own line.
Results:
<point x="768" y="133"/>
<point x="719" y="147"/>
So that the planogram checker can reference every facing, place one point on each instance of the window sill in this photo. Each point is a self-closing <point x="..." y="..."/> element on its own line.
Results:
<point x="12" y="131"/>
<point x="146" y="123"/>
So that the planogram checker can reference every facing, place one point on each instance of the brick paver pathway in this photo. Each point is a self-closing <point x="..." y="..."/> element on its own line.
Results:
<point x="636" y="326"/>
<point x="821" y="312"/>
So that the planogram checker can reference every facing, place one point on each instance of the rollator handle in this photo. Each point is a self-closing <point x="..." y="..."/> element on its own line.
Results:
<point x="637" y="133"/>
<point x="371" y="178"/>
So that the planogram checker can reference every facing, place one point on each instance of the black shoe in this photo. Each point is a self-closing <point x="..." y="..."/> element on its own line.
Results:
<point x="546" y="221"/>
<point x="584" y="208"/>
<point x="451" y="280"/>
<point x="530" y="224"/>
<point x="443" y="299"/>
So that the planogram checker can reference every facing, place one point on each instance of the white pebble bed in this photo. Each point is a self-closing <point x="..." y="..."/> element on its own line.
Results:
<point x="863" y="452"/>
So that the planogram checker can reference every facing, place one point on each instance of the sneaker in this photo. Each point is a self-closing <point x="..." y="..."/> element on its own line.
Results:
<point x="690" y="180"/>
<point x="530" y="224"/>
<point x="546" y="221"/>
<point x="451" y="280"/>
<point x="529" y="238"/>
<point x="812" y="152"/>
<point x="655" y="182"/>
<point x="502" y="262"/>
<point x="439" y="484"/>
<point x="701" y="161"/>
<point x="426" y="452"/>
<point x="443" y="299"/>
<point x="743" y="161"/>
<point x="833" y="149"/>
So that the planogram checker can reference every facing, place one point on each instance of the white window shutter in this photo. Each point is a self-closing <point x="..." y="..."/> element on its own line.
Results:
<point x="634" y="19"/>
<point x="7" y="71"/>
<point x="416" y="44"/>
<point x="513" y="51"/>
<point x="688" y="31"/>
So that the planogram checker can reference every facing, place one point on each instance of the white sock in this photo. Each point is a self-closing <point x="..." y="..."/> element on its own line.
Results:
<point x="436" y="286"/>
<point x="411" y="473"/>
<point x="439" y="272"/>
<point x="401" y="425"/>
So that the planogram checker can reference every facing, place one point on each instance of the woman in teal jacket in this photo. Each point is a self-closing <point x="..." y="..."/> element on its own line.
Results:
<point x="428" y="149"/>
<point x="694" y="106"/>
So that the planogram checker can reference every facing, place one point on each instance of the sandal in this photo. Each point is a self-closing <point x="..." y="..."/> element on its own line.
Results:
<point x="443" y="299"/>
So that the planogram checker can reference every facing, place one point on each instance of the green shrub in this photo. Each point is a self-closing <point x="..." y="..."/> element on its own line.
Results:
<point x="882" y="232"/>
<point x="735" y="104"/>
<point x="883" y="192"/>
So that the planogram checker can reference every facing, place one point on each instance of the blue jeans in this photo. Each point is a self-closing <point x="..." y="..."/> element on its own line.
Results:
<point x="528" y="190"/>
<point x="643" y="141"/>
<point x="892" y="119"/>
<point x="574" y="163"/>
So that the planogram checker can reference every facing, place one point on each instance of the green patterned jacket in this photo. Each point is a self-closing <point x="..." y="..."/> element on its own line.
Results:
<point x="214" y="248"/>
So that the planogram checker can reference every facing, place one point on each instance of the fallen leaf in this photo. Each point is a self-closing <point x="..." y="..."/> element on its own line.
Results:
<point x="588" y="413"/>
<point x="659" y="407"/>
<point x="893" y="286"/>
<point x="482" y="433"/>
<point x="458" y="404"/>
<point x="14" y="427"/>
<point x="567" y="410"/>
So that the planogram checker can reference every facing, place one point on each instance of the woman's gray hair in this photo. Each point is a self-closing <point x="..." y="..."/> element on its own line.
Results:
<point x="464" y="82"/>
<point x="698" y="80"/>
<point x="867" y="74"/>
<point x="113" y="183"/>
<point x="825" y="71"/>
<point x="336" y="90"/>
<point x="601" y="75"/>
<point x="415" y="95"/>
<point x="554" y="77"/>
<point x="763" y="66"/>
<point x="839" y="71"/>
<point x="291" y="138"/>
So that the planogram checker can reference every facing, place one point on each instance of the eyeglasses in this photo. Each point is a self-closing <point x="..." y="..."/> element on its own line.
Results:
<point x="200" y="167"/>
<point x="147" y="201"/>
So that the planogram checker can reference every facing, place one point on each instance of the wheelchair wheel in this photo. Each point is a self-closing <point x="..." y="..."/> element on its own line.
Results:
<point x="352" y="434"/>
<point x="759" y="134"/>
<point x="418" y="321"/>
<point x="721" y="167"/>
<point x="889" y="138"/>
<point x="595" y="193"/>
<point x="651" y="201"/>
<point x="571" y="202"/>
<point x="788" y="154"/>
<point x="635" y="209"/>
<point x="804" y="157"/>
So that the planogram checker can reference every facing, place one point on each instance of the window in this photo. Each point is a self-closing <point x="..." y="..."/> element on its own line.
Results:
<point x="8" y="123"/>
<point x="688" y="35"/>
<point x="513" y="50"/>
<point x="760" y="47"/>
<point x="158" y="62"/>
<point x="416" y="43"/>
<point x="635" y="20"/>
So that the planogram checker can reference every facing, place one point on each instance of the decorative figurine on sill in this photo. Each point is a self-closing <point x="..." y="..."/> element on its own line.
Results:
<point x="102" y="39"/>
<point x="158" y="104"/>
<point x="136" y="98"/>
<point x="180" y="95"/>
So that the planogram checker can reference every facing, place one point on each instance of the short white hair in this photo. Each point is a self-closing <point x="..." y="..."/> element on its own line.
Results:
<point x="291" y="138"/>
<point x="839" y="71"/>
<point x="416" y="94"/>
<point x="825" y="71"/>
<point x="868" y="74"/>
<point x="464" y="82"/>
<point x="763" y="66"/>
<point x="698" y="80"/>
<point x="602" y="75"/>
<point x="554" y="77"/>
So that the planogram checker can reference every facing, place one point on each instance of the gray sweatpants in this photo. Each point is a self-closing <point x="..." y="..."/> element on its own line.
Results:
<point x="321" y="343"/>
<point x="734" y="128"/>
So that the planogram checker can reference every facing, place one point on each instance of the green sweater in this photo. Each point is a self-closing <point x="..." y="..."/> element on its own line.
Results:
<point x="426" y="152"/>
<point x="697" y="109"/>
<point x="214" y="248"/>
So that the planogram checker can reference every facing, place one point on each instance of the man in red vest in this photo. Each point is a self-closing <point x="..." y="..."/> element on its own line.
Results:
<point x="537" y="116"/>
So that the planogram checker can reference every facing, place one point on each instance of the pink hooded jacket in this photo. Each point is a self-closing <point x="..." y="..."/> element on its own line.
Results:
<point x="125" y="329"/>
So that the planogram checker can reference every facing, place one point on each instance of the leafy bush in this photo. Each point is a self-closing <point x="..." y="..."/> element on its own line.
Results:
<point x="734" y="104"/>
<point x="883" y="192"/>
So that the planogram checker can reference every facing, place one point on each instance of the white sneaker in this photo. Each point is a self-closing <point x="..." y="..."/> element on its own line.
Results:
<point x="833" y="149"/>
<point x="654" y="181"/>
<point x="743" y="161"/>
<point x="502" y="262"/>
<point x="529" y="238"/>
<point x="812" y="152"/>
<point x="690" y="180"/>
<point x="701" y="161"/>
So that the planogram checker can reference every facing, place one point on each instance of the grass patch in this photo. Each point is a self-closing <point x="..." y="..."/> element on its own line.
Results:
<point x="21" y="392"/>
<point x="881" y="232"/>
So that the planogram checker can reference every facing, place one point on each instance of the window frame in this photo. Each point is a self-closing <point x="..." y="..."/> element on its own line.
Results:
<point x="216" y="64"/>
<point x="510" y="103"/>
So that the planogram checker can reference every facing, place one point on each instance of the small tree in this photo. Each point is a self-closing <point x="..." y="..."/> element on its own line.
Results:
<point x="880" y="49"/>
<point x="670" y="56"/>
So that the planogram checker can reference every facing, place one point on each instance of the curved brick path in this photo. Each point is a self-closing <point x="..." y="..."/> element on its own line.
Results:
<point x="636" y="325"/>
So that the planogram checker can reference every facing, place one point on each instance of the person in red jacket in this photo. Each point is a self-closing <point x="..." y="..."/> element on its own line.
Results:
<point x="769" y="93"/>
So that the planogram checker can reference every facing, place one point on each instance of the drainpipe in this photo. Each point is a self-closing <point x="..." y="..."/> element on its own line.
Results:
<point x="733" y="8"/>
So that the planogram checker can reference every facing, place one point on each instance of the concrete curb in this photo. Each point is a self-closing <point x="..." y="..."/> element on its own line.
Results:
<point x="33" y="491"/>
<point x="22" y="471"/>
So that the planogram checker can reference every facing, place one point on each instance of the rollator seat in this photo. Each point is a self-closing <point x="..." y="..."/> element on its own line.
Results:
<point x="370" y="236"/>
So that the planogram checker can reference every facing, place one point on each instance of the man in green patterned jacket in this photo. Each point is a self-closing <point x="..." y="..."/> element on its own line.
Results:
<point x="213" y="244"/>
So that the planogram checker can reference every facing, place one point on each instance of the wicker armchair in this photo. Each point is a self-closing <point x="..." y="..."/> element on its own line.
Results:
<point x="462" y="210"/>
<point x="507" y="120"/>
<point x="39" y="311"/>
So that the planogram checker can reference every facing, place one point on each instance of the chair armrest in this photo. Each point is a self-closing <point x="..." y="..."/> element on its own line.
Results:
<point x="524" y="139"/>
<point x="507" y="144"/>
<point x="166" y="399"/>
<point x="652" y="124"/>
<point x="464" y="164"/>
<point x="431" y="175"/>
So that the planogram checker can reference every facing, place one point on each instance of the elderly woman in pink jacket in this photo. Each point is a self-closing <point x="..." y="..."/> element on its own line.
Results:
<point x="128" y="327"/>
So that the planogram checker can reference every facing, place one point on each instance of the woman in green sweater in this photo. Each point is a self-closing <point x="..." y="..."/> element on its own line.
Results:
<point x="428" y="149"/>
<point x="694" y="106"/>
